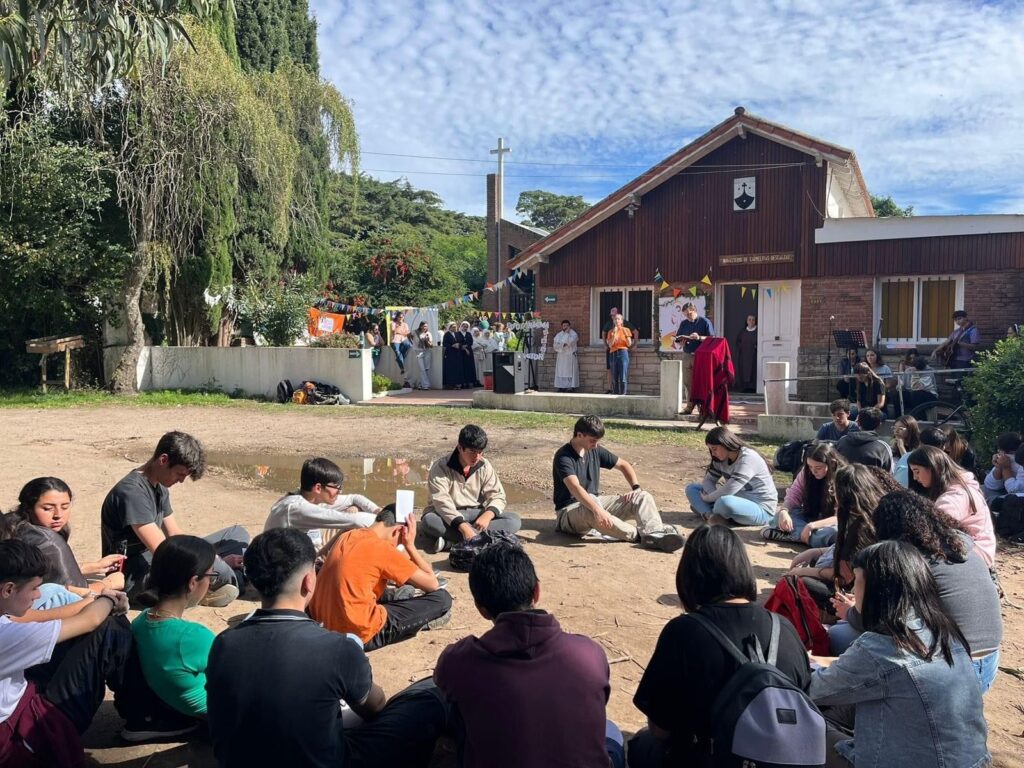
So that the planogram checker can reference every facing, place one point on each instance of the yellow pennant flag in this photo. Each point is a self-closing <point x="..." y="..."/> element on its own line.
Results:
<point x="753" y="293"/>
<point x="664" y="284"/>
<point x="693" y="290"/>
<point x="784" y="288"/>
<point x="743" y="291"/>
<point x="706" y="279"/>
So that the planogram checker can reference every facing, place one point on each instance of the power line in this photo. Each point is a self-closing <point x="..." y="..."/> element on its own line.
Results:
<point x="573" y="177"/>
<point x="538" y="162"/>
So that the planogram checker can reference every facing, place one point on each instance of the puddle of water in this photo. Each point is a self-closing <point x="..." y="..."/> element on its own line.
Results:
<point x="377" y="479"/>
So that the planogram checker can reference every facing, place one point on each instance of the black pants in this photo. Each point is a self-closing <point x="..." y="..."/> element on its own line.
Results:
<point x="407" y="617"/>
<point x="402" y="735"/>
<point x="138" y="704"/>
<point x="77" y="675"/>
<point x="227" y="541"/>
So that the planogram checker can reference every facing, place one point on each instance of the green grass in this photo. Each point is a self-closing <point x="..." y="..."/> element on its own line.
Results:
<point x="33" y="398"/>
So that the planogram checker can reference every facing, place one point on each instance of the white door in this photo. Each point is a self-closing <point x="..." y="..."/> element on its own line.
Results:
<point x="778" y="307"/>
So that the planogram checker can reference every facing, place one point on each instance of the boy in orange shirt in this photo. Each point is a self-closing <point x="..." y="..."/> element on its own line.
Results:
<point x="351" y="587"/>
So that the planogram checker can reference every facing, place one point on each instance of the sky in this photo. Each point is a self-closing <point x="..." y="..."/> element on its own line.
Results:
<point x="590" y="93"/>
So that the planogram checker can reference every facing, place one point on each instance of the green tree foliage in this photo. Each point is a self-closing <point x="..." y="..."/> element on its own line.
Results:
<point x="395" y="244"/>
<point x="997" y="390"/>
<point x="548" y="210"/>
<point x="60" y="254"/>
<point x="278" y="311"/>
<point x="82" y="45"/>
<point x="273" y="32"/>
<point x="886" y="206"/>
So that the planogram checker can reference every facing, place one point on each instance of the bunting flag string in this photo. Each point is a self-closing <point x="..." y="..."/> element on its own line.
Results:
<point x="769" y="292"/>
<point x="664" y="285"/>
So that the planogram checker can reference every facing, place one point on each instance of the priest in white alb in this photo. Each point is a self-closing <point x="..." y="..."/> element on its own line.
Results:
<point x="567" y="369"/>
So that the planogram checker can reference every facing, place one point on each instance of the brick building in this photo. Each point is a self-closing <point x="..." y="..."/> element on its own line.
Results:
<point x="783" y="223"/>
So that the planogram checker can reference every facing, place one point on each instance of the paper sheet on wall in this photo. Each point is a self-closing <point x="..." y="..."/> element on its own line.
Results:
<point x="670" y="315"/>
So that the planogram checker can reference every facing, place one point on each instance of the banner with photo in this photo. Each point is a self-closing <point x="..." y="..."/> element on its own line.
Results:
<point x="670" y="315"/>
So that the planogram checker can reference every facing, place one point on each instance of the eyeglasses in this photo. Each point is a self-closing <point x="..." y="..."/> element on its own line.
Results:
<point x="210" y="575"/>
<point x="332" y="486"/>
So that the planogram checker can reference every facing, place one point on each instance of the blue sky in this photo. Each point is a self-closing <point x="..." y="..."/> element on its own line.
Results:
<point x="930" y="95"/>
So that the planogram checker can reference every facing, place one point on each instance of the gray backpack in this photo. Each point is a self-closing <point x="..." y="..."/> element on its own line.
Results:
<point x="760" y="719"/>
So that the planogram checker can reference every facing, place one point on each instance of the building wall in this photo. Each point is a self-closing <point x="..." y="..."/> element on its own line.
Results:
<point x="644" y="370"/>
<point x="512" y="234"/>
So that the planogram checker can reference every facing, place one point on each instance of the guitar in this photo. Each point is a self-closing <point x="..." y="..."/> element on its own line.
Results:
<point x="947" y="350"/>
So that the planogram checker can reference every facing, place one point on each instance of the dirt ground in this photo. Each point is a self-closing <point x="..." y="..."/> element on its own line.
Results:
<point x="618" y="594"/>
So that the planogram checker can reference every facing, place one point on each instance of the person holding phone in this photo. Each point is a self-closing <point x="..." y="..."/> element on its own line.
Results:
<point x="692" y="331"/>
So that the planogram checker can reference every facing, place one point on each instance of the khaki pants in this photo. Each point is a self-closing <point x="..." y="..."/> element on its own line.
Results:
<point x="687" y="375"/>
<point x="579" y="520"/>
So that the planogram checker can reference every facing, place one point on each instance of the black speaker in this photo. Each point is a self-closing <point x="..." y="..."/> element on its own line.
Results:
<point x="509" y="373"/>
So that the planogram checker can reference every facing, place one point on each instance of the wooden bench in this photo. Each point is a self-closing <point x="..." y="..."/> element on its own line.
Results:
<point x="50" y="345"/>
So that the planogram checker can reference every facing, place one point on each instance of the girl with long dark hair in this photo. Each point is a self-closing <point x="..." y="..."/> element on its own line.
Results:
<point x="738" y="486"/>
<point x="870" y="388"/>
<point x="906" y="434"/>
<point x="909" y="676"/>
<point x="956" y="492"/>
<point x="46" y="503"/>
<point x="808" y="514"/>
<point x="173" y="652"/>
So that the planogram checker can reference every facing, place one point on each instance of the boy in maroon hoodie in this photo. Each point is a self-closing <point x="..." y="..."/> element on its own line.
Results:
<point x="525" y="693"/>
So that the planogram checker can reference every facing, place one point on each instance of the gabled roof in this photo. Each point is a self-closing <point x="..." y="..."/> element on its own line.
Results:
<point x="843" y="161"/>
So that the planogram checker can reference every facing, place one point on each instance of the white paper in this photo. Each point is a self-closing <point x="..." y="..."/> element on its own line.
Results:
<point x="403" y="504"/>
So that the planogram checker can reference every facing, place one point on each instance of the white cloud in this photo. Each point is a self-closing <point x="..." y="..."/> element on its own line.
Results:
<point x="928" y="93"/>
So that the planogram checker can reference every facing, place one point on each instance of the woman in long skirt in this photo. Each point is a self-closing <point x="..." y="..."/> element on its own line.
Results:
<point x="451" y="367"/>
<point x="468" y="362"/>
<point x="746" y="356"/>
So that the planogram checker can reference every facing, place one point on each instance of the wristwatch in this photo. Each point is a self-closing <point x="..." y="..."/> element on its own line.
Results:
<point x="636" y="486"/>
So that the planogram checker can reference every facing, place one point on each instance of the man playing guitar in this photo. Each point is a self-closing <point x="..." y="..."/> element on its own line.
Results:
<point x="958" y="350"/>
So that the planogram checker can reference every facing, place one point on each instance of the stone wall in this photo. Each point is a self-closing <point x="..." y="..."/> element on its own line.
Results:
<point x="644" y="371"/>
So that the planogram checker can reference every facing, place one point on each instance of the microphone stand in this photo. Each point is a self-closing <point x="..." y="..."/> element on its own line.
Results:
<point x="828" y="357"/>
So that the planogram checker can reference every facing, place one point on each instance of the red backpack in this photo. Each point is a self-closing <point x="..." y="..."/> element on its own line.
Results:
<point x="792" y="600"/>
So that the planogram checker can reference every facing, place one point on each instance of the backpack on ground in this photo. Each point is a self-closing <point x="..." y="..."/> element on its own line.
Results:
<point x="790" y="456"/>
<point x="285" y="391"/>
<point x="760" y="719"/>
<point x="792" y="600"/>
<point x="463" y="553"/>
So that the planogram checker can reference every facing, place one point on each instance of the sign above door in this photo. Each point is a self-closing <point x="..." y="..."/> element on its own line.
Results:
<point x="755" y="258"/>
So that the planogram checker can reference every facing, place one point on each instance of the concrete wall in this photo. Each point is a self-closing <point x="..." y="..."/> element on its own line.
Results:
<point x="387" y="366"/>
<point x="251" y="370"/>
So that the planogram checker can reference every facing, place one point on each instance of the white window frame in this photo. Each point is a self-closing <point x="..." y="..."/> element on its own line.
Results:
<point x="917" y="280"/>
<point x="597" y="322"/>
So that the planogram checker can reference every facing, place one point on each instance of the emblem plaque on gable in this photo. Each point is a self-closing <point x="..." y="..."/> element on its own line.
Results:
<point x="744" y="194"/>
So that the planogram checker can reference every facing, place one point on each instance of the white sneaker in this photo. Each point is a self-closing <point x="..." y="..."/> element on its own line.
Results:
<point x="220" y="597"/>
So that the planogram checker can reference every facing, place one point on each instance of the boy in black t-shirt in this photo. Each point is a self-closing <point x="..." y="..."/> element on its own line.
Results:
<point x="576" y="477"/>
<point x="137" y="516"/>
<point x="275" y="682"/>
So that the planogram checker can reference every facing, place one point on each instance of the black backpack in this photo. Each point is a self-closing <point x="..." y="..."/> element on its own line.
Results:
<point x="1010" y="521"/>
<point x="790" y="456"/>
<point x="285" y="391"/>
<point x="463" y="553"/>
<point x="759" y="718"/>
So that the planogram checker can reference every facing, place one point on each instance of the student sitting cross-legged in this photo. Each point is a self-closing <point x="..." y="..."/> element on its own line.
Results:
<point x="320" y="504"/>
<point x="552" y="685"/>
<point x="738" y="488"/>
<point x="276" y="682"/>
<point x="351" y="594"/>
<point x="53" y="674"/>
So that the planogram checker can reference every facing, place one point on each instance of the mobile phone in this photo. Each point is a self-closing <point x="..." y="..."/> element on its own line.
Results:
<point x="122" y="550"/>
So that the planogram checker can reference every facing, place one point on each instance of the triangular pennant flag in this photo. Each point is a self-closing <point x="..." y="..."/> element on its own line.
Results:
<point x="784" y="287"/>
<point x="657" y="276"/>
<point x="489" y="287"/>
<point x="743" y="291"/>
<point x="706" y="279"/>
<point x="676" y="292"/>
<point x="693" y="290"/>
<point x="753" y="293"/>
<point x="769" y="292"/>
<point x="664" y="284"/>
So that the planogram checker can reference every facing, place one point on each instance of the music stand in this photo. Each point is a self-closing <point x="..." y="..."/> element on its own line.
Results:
<point x="849" y="339"/>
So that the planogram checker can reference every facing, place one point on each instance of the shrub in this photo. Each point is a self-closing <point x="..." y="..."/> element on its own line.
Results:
<point x="279" y="311"/>
<point x="383" y="384"/>
<point x="336" y="341"/>
<point x="997" y="389"/>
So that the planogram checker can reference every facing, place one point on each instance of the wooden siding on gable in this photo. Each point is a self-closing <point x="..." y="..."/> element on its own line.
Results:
<point x="687" y="223"/>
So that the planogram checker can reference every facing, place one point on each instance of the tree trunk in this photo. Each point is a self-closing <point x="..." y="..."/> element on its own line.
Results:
<point x="124" y="382"/>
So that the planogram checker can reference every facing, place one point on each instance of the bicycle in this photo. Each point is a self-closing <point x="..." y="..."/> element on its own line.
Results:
<point x="941" y="413"/>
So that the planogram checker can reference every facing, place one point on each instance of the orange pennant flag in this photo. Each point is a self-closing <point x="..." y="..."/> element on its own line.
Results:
<point x="676" y="292"/>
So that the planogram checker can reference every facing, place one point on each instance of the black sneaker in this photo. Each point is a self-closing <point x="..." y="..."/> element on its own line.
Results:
<point x="153" y="728"/>
<point x="668" y="540"/>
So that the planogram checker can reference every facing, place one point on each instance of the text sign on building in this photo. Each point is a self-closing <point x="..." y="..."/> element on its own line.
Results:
<point x="755" y="258"/>
<point x="550" y="298"/>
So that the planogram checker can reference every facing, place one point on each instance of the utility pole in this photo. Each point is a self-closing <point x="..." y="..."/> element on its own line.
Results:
<point x="501" y="150"/>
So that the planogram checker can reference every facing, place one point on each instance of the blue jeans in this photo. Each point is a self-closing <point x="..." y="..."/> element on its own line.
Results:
<point x="735" y="508"/>
<point x="986" y="667"/>
<point x="620" y="371"/>
<point x="401" y="350"/>
<point x="822" y="537"/>
<point x="841" y="636"/>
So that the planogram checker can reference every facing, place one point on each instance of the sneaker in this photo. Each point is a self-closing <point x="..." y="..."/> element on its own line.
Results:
<point x="668" y="540"/>
<point x="151" y="728"/>
<point x="688" y="409"/>
<point x="442" y="582"/>
<point x="439" y="622"/>
<point x="440" y="544"/>
<point x="218" y="598"/>
<point x="775" y="534"/>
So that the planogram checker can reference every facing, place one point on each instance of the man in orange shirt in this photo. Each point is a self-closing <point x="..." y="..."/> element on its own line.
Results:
<point x="619" y="341"/>
<point x="351" y="587"/>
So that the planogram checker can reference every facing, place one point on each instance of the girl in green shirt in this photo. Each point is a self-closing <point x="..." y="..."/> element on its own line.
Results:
<point x="173" y="652"/>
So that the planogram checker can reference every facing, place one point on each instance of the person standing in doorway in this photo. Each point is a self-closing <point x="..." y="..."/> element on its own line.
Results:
<point x="608" y="355"/>
<point x="746" y="356"/>
<point x="694" y="329"/>
<point x="619" y="341"/>
<point x="567" y="369"/>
